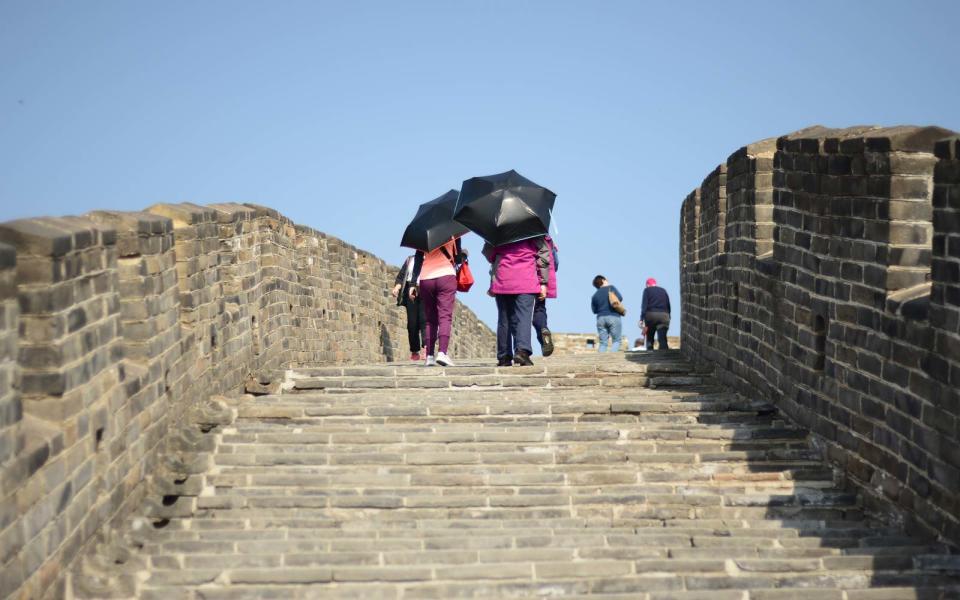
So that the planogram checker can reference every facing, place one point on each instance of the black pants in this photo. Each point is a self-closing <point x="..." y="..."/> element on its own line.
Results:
<point x="416" y="324"/>
<point x="540" y="319"/>
<point x="657" y="324"/>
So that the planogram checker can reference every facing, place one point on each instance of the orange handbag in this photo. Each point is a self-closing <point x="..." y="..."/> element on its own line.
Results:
<point x="464" y="278"/>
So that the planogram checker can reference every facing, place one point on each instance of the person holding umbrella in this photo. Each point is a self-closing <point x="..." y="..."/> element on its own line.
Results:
<point x="512" y="214"/>
<point x="519" y="276"/>
<point x="436" y="237"/>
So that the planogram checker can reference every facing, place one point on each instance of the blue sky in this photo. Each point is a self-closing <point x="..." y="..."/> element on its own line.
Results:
<point x="345" y="116"/>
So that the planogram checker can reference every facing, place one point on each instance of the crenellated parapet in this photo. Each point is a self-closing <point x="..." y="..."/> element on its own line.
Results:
<point x="833" y="291"/>
<point x="115" y="330"/>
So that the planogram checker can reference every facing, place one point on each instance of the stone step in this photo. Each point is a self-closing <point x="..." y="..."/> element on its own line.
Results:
<point x="378" y="510"/>
<point x="574" y="589"/>
<point x="549" y="374"/>
<point x="555" y="366"/>
<point x="432" y="410"/>
<point x="660" y="544"/>
<point x="541" y="455"/>
<point x="245" y="431"/>
<point x="343" y="525"/>
<point x="476" y="498"/>
<point x="565" y="577"/>
<point x="665" y="472"/>
<point x="279" y="534"/>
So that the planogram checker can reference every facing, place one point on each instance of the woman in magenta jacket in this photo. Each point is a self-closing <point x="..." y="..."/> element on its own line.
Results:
<point x="519" y="274"/>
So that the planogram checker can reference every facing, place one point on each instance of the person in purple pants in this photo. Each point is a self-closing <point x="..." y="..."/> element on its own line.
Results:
<point x="436" y="275"/>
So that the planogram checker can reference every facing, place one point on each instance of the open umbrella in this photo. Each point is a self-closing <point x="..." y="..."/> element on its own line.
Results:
<point x="433" y="224"/>
<point x="503" y="208"/>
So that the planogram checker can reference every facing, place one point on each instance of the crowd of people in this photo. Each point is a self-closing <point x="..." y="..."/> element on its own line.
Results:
<point x="513" y="216"/>
<point x="523" y="276"/>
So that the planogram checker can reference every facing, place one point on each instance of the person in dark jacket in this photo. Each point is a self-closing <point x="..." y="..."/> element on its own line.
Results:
<point x="540" y="307"/>
<point x="416" y="321"/>
<point x="609" y="324"/>
<point x="655" y="313"/>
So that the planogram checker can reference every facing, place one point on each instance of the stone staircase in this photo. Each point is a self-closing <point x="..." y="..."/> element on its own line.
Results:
<point x="605" y="476"/>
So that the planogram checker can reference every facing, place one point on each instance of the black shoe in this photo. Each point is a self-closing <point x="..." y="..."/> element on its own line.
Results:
<point x="523" y="359"/>
<point x="506" y="361"/>
<point x="547" y="341"/>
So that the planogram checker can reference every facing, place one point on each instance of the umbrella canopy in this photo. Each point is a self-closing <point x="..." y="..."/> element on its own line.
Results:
<point x="433" y="225"/>
<point x="503" y="208"/>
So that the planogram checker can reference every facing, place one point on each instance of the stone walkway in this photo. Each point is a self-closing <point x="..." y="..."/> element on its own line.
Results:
<point x="570" y="478"/>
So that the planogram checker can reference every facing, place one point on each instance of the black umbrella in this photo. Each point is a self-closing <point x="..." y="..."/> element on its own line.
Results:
<point x="506" y="207"/>
<point x="433" y="225"/>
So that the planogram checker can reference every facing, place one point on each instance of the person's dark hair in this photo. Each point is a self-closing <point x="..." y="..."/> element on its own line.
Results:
<point x="598" y="281"/>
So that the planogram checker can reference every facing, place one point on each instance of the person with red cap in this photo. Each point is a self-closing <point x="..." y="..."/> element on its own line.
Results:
<point x="655" y="314"/>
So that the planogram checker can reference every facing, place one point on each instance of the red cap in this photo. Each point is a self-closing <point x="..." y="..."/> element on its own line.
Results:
<point x="651" y="281"/>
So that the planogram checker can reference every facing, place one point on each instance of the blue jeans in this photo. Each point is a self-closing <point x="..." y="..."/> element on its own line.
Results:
<point x="514" y="321"/>
<point x="609" y="327"/>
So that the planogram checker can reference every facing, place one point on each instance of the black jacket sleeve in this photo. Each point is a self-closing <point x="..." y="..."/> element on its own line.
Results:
<point x="417" y="265"/>
<point x="543" y="261"/>
<point x="402" y="273"/>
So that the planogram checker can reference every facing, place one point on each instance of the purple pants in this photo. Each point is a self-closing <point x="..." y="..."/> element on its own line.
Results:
<point x="438" y="297"/>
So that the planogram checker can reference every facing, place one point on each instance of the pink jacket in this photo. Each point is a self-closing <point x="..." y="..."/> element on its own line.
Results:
<point x="519" y="267"/>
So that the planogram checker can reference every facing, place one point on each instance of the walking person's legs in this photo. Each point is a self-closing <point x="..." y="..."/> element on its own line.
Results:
<point x="413" y="325"/>
<point x="662" y="337"/>
<point x="421" y="323"/>
<point x="446" y="300"/>
<point x="603" y="333"/>
<point x="429" y="300"/>
<point x="504" y="340"/>
<point x="659" y="322"/>
<point x="616" y="333"/>
<point x="523" y="317"/>
<point x="521" y="320"/>
<point x="540" y="319"/>
<point x="540" y="326"/>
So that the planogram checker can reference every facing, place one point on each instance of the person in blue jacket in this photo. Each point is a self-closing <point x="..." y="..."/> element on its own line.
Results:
<point x="655" y="314"/>
<point x="609" y="324"/>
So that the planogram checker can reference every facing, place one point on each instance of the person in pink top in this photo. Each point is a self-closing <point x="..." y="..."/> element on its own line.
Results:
<point x="519" y="274"/>
<point x="436" y="275"/>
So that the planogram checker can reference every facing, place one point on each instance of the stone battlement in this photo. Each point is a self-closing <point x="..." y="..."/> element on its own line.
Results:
<point x="115" y="325"/>
<point x="821" y="271"/>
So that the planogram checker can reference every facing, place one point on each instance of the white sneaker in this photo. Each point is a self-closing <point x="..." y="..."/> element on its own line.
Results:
<point x="443" y="360"/>
<point x="431" y="361"/>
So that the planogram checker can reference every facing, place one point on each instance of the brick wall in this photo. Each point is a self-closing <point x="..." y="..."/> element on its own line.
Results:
<point x="115" y="325"/>
<point x="833" y="292"/>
